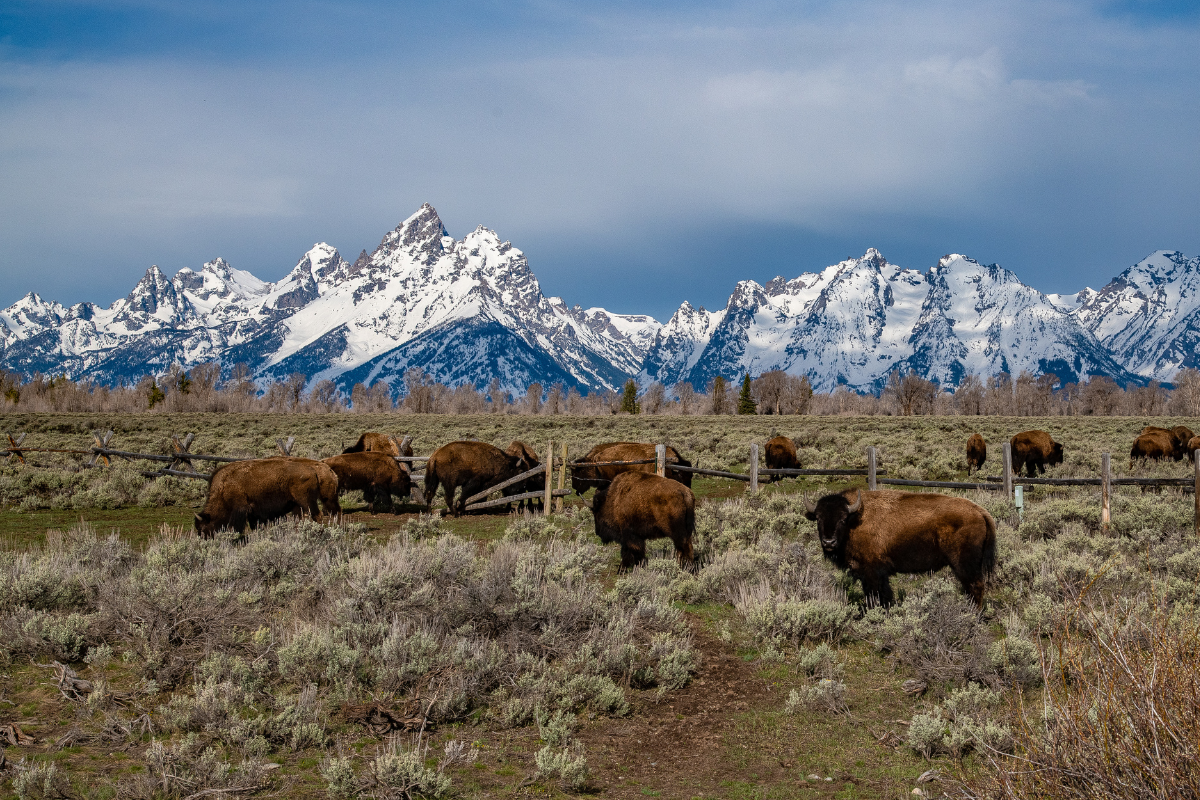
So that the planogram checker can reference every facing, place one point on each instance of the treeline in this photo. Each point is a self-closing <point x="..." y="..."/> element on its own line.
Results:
<point x="202" y="388"/>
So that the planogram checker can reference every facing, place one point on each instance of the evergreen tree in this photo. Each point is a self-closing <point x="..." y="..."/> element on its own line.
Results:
<point x="629" y="403"/>
<point x="156" y="395"/>
<point x="746" y="404"/>
<point x="184" y="384"/>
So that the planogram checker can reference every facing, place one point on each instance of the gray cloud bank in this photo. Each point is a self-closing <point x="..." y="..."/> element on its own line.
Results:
<point x="638" y="158"/>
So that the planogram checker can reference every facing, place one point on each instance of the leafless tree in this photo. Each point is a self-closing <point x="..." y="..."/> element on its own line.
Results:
<point x="533" y="399"/>
<point x="419" y="391"/>
<point x="968" y="397"/>
<point x="1185" y="400"/>
<point x="687" y="397"/>
<point x="325" y="397"/>
<point x="912" y="393"/>
<point x="654" y="399"/>
<point x="1101" y="396"/>
<point x="555" y="399"/>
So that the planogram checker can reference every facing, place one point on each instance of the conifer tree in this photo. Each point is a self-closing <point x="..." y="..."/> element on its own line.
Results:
<point x="746" y="404"/>
<point x="629" y="403"/>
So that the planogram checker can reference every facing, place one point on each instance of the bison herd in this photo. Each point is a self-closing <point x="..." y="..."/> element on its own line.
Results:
<point x="873" y="535"/>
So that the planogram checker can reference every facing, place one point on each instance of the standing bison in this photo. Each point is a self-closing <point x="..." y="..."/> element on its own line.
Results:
<point x="976" y="453"/>
<point x="1154" y="444"/>
<point x="375" y="474"/>
<point x="1192" y="446"/>
<point x="638" y="506"/>
<point x="252" y="492"/>
<point x="523" y="451"/>
<point x="874" y="535"/>
<point x="584" y="477"/>
<point x="472" y="466"/>
<point x="371" y="442"/>
<point x="780" y="453"/>
<point x="1034" y="450"/>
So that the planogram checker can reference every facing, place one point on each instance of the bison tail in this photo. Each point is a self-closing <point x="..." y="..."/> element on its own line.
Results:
<point x="431" y="481"/>
<point x="989" y="545"/>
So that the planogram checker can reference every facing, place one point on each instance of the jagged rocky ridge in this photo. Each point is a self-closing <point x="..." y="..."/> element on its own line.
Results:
<point x="471" y="310"/>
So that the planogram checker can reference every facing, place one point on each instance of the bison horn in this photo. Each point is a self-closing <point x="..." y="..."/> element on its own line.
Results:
<point x="812" y="507"/>
<point x="854" y="509"/>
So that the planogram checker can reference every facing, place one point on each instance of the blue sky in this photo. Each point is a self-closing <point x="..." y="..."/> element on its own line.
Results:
<point x="639" y="153"/>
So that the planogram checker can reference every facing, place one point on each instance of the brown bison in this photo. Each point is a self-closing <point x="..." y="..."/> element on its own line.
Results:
<point x="535" y="484"/>
<point x="584" y="477"/>
<point x="473" y="466"/>
<point x="1034" y="450"/>
<point x="874" y="535"/>
<point x="976" y="453"/>
<point x="1182" y="435"/>
<point x="1192" y="446"/>
<point x="371" y="442"/>
<point x="377" y="475"/>
<point x="780" y="453"/>
<point x="253" y="492"/>
<point x="1154" y="444"/>
<point x="638" y="506"/>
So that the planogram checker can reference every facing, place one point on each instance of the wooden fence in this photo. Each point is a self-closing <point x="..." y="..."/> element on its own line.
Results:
<point x="179" y="464"/>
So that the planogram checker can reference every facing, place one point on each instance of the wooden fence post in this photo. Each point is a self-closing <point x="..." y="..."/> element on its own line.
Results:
<point x="101" y="444"/>
<point x="754" y="468"/>
<point x="1105" y="492"/>
<point x="285" y="448"/>
<point x="562" y="478"/>
<point x="660" y="460"/>
<point x="181" y="452"/>
<point x="1196" y="522"/>
<point x="872" y="468"/>
<point x="549" y="499"/>
<point x="1008" y="473"/>
<point x="14" y="447"/>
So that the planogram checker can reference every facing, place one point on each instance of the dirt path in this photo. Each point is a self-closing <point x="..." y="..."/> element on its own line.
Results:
<point x="679" y="747"/>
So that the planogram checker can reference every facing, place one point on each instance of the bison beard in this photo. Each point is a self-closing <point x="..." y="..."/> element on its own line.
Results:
<point x="881" y="533"/>
<point x="638" y="506"/>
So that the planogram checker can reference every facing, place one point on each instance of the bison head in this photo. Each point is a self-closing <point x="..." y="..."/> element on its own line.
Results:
<point x="205" y="525"/>
<point x="1056" y="454"/>
<point x="835" y="517"/>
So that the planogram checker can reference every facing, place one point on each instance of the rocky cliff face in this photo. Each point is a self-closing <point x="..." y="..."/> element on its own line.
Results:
<point x="471" y="310"/>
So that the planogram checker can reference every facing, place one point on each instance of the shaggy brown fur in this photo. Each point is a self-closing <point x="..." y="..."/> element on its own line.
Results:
<point x="1182" y="435"/>
<point x="638" y="506"/>
<point x="584" y="478"/>
<point x="909" y="532"/>
<point x="371" y="442"/>
<point x="976" y="453"/>
<point x="1154" y="444"/>
<point x="1034" y="450"/>
<point x="253" y="492"/>
<point x="375" y="474"/>
<point x="1192" y="446"/>
<point x="535" y="484"/>
<point x="780" y="453"/>
<point x="473" y="466"/>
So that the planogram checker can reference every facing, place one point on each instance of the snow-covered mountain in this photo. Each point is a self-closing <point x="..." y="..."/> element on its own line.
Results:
<point x="855" y="322"/>
<point x="472" y="310"/>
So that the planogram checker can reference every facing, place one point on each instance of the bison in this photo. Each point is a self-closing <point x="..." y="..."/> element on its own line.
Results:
<point x="253" y="492"/>
<point x="584" y="477"/>
<point x="976" y="453"/>
<point x="1035" y="449"/>
<point x="371" y="442"/>
<point x="874" y="535"/>
<point x="377" y="475"/>
<point x="1154" y="444"/>
<point x="1182" y="435"/>
<point x="780" y="453"/>
<point x="638" y="506"/>
<point x="1192" y="446"/>
<point x="536" y="483"/>
<point x="473" y="466"/>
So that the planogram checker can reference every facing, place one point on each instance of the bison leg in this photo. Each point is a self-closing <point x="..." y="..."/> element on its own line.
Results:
<point x="879" y="587"/>
<point x="683" y="553"/>
<point x="632" y="554"/>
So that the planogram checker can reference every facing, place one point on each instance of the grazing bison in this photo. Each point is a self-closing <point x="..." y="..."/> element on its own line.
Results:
<point x="780" y="453"/>
<point x="976" y="452"/>
<point x="473" y="466"/>
<point x="253" y="492"/>
<point x="371" y="442"/>
<point x="536" y="483"/>
<point x="638" y="506"/>
<point x="377" y="475"/>
<point x="1154" y="444"/>
<point x="874" y="535"/>
<point x="1182" y="435"/>
<point x="1035" y="449"/>
<point x="1192" y="446"/>
<point x="584" y="477"/>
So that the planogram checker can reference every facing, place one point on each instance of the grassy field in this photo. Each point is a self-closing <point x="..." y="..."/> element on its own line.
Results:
<point x="222" y="668"/>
